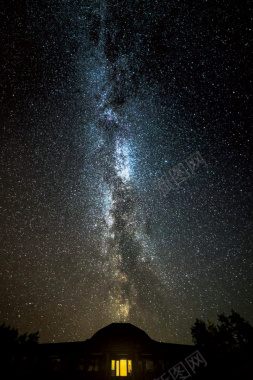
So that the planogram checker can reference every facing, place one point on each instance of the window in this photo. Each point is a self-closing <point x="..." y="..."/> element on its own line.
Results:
<point x="149" y="365"/>
<point x="121" y="367"/>
<point x="93" y="365"/>
<point x="81" y="364"/>
<point x="55" y="362"/>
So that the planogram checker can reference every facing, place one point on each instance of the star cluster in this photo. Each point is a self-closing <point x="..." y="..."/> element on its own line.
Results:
<point x="102" y="103"/>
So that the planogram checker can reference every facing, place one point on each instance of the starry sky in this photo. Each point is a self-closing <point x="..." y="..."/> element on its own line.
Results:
<point x="126" y="165"/>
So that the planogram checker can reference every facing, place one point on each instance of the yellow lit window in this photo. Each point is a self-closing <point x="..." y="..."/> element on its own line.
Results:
<point x="129" y="366"/>
<point x="121" y="367"/>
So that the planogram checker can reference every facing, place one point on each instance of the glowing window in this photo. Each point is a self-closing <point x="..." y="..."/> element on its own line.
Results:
<point x="129" y="366"/>
<point x="121" y="367"/>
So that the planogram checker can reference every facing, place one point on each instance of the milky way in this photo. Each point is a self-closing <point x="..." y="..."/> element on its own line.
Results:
<point x="126" y="146"/>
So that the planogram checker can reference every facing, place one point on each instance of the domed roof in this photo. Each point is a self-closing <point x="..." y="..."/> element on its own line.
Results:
<point x="121" y="336"/>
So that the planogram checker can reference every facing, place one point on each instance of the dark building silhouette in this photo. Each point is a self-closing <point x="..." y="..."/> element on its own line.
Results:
<point x="119" y="350"/>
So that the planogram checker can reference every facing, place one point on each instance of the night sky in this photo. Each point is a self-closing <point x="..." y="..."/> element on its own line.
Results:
<point x="126" y="165"/>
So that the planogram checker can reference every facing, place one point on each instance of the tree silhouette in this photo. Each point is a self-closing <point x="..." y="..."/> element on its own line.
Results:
<point x="10" y="338"/>
<point x="12" y="348"/>
<point x="231" y="333"/>
<point x="227" y="346"/>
